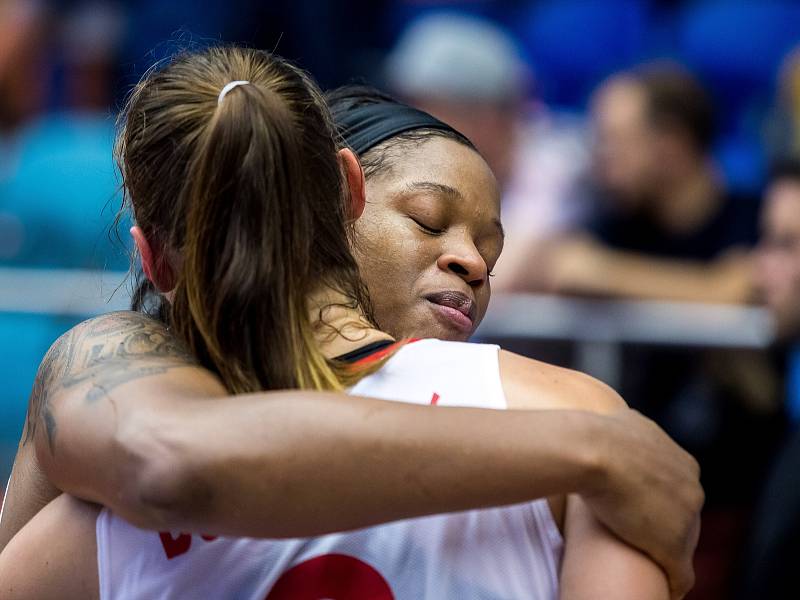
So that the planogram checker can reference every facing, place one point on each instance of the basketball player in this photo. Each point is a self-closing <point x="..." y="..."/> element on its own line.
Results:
<point x="232" y="378"/>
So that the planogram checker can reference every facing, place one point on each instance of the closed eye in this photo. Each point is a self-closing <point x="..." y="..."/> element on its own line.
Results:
<point x="425" y="228"/>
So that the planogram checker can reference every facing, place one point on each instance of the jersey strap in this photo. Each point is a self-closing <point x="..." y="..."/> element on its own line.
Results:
<point x="374" y="351"/>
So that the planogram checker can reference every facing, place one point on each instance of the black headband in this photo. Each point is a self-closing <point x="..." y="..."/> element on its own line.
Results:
<point x="368" y="125"/>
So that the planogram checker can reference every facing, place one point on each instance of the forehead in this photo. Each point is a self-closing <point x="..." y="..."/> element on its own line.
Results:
<point x="440" y="163"/>
<point x="620" y="101"/>
<point x="783" y="207"/>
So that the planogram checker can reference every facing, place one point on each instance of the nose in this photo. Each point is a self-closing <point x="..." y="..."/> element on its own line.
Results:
<point x="466" y="262"/>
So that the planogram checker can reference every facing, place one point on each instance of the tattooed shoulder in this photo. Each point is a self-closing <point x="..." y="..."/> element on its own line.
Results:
<point x="103" y="353"/>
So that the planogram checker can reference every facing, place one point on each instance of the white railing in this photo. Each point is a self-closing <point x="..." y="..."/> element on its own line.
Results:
<point x="598" y="328"/>
<point x="72" y="292"/>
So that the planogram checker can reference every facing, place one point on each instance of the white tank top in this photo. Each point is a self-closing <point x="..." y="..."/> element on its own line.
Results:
<point x="492" y="554"/>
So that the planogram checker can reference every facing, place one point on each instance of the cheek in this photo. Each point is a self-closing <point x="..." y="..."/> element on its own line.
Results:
<point x="386" y="260"/>
<point x="482" y="298"/>
<point x="392" y="249"/>
<point x="381" y="235"/>
<point x="777" y="279"/>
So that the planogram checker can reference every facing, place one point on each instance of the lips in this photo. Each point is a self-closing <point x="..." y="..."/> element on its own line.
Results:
<point x="460" y="308"/>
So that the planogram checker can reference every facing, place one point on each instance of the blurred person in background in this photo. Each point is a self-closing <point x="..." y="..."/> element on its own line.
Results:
<point x="783" y="123"/>
<point x="468" y="71"/>
<point x="778" y="272"/>
<point x="57" y="175"/>
<point x="63" y="175"/>
<point x="664" y="225"/>
<point x="769" y="562"/>
<point x="23" y="92"/>
<point x="91" y="40"/>
<point x="23" y="34"/>
<point x="666" y="228"/>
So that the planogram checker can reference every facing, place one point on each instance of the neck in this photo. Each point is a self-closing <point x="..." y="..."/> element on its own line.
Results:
<point x="338" y="326"/>
<point x="689" y="200"/>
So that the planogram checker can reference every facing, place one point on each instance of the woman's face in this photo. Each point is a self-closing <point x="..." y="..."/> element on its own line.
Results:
<point x="428" y="239"/>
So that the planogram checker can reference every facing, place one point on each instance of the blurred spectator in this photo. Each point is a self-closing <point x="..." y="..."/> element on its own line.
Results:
<point x="467" y="71"/>
<point x="23" y="58"/>
<point x="665" y="228"/>
<point x="58" y="185"/>
<point x="779" y="269"/>
<point x="769" y="563"/>
<point x="91" y="36"/>
<point x="783" y="126"/>
<point x="61" y="175"/>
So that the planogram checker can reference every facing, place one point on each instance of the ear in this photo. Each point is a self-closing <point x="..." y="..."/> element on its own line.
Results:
<point x="154" y="263"/>
<point x="356" y="186"/>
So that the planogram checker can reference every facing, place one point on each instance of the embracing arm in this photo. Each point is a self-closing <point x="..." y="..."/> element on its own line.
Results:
<point x="125" y="419"/>
<point x="54" y="557"/>
<point x="122" y="417"/>
<point x="598" y="566"/>
<point x="654" y="503"/>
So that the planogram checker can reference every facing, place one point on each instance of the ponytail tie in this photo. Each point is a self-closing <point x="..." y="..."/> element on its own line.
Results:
<point x="228" y="88"/>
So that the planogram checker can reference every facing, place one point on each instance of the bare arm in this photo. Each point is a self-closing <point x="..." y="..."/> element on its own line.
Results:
<point x="120" y="416"/>
<point x="131" y="423"/>
<point x="102" y="353"/>
<point x="579" y="265"/>
<point x="665" y="482"/>
<point x="598" y="566"/>
<point x="54" y="557"/>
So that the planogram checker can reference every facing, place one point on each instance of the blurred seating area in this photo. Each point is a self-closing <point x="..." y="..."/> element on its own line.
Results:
<point x="649" y="157"/>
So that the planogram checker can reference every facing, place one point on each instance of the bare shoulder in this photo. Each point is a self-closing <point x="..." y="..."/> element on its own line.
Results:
<point x="54" y="555"/>
<point x="115" y="336"/>
<point x="98" y="355"/>
<point x="535" y="385"/>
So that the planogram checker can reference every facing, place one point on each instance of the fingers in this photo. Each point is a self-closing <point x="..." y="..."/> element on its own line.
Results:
<point x="681" y="573"/>
<point x="682" y="581"/>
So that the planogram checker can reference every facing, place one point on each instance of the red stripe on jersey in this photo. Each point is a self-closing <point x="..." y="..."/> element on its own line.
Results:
<point x="385" y="351"/>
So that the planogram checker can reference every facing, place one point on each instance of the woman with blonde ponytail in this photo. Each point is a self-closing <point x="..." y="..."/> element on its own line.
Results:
<point x="237" y="183"/>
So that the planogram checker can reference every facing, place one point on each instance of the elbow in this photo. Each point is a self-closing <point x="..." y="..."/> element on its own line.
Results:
<point x="597" y="396"/>
<point x="169" y="495"/>
<point x="162" y="488"/>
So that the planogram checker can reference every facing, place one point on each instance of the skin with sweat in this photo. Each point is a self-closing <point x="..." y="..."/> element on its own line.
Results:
<point x="428" y="240"/>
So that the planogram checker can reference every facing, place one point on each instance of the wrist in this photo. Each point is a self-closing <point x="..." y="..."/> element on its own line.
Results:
<point x="589" y="446"/>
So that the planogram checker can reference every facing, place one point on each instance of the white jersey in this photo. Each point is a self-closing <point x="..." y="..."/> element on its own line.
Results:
<point x="492" y="554"/>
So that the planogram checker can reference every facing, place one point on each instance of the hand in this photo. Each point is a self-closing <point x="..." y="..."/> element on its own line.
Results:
<point x="648" y="493"/>
<point x="734" y="276"/>
<point x="571" y="264"/>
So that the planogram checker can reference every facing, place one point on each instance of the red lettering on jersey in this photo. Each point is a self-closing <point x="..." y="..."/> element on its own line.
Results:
<point x="334" y="577"/>
<point x="175" y="546"/>
<point x="435" y="399"/>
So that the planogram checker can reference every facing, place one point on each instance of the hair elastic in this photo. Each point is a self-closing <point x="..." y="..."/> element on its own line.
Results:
<point x="228" y="88"/>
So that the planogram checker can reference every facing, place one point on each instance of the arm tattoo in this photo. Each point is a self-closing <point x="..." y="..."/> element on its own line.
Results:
<point x="106" y="352"/>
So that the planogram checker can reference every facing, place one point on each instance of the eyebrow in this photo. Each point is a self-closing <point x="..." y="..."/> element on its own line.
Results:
<point x="437" y="188"/>
<point x="448" y="192"/>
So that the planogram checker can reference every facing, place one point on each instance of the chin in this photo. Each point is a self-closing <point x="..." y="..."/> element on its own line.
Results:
<point x="453" y="335"/>
<point x="431" y="328"/>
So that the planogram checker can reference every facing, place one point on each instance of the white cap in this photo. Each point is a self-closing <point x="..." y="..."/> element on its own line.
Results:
<point x="453" y="56"/>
